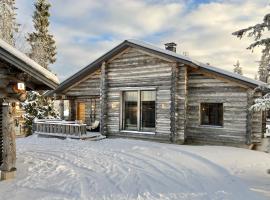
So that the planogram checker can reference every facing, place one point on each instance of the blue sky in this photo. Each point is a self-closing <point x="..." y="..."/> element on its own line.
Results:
<point x="86" y="29"/>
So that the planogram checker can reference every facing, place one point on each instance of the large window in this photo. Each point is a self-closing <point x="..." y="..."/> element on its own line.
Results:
<point x="131" y="110"/>
<point x="212" y="114"/>
<point x="139" y="110"/>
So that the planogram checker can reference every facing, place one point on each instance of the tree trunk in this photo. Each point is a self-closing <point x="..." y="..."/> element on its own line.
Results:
<point x="9" y="144"/>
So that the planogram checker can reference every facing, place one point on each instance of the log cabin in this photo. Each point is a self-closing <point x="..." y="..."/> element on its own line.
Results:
<point x="18" y="74"/>
<point x="137" y="90"/>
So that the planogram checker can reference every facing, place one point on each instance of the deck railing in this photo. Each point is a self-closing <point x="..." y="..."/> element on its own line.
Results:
<point x="55" y="127"/>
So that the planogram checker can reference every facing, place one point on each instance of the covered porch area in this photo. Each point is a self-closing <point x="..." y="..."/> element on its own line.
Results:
<point x="79" y="118"/>
<point x="83" y="110"/>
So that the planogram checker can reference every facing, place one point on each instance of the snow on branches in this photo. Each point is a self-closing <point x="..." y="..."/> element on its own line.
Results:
<point x="8" y="25"/>
<point x="38" y="107"/>
<point x="237" y="68"/>
<point x="258" y="32"/>
<point x="261" y="104"/>
<point x="43" y="48"/>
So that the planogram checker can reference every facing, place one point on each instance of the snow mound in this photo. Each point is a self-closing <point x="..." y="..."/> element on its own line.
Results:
<point x="135" y="170"/>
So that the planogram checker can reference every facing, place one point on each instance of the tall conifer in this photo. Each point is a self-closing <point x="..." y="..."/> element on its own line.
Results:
<point x="43" y="48"/>
<point x="8" y="25"/>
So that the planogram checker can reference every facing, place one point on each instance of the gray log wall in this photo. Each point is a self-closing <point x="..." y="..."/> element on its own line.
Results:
<point x="88" y="92"/>
<point x="88" y="87"/>
<point x="204" y="89"/>
<point x="179" y="95"/>
<point x="134" y="69"/>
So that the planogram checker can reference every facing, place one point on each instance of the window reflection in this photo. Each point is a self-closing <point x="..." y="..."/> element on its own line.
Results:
<point x="148" y="108"/>
<point x="130" y="110"/>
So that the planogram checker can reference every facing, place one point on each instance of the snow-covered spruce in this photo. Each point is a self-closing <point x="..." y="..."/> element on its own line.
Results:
<point x="8" y="25"/>
<point x="38" y="107"/>
<point x="261" y="104"/>
<point x="43" y="49"/>
<point x="237" y="69"/>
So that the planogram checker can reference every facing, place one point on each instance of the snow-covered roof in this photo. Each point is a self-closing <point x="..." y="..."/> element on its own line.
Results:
<point x="200" y="64"/>
<point x="161" y="52"/>
<point x="43" y="74"/>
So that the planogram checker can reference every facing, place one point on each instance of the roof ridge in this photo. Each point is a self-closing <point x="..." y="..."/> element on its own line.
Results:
<point x="96" y="63"/>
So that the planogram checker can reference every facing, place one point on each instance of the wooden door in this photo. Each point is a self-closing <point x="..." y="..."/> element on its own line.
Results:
<point x="81" y="111"/>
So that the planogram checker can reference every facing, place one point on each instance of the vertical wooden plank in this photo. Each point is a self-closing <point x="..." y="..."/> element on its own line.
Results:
<point x="72" y="108"/>
<point x="180" y="104"/>
<point x="249" y="116"/>
<point x="61" y="109"/>
<point x="256" y="132"/>
<point x="103" y="99"/>
<point x="172" y="109"/>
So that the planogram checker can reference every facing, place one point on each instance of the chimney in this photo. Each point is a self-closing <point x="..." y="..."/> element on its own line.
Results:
<point x="171" y="46"/>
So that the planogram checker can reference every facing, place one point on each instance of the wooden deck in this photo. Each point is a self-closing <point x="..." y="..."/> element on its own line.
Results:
<point x="64" y="129"/>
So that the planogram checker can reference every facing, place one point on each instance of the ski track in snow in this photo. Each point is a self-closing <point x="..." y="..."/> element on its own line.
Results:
<point x="121" y="169"/>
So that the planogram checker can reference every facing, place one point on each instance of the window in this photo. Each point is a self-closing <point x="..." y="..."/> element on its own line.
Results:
<point x="148" y="110"/>
<point x="131" y="110"/>
<point x="66" y="110"/>
<point x="139" y="110"/>
<point x="212" y="114"/>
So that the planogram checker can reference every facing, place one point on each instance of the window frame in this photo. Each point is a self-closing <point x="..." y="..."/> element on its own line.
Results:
<point x="139" y="113"/>
<point x="210" y="125"/>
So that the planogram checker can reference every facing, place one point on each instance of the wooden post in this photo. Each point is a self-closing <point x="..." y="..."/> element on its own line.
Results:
<point x="61" y="109"/>
<point x="8" y="167"/>
<point x="103" y="99"/>
<point x="72" y="108"/>
<point x="250" y="94"/>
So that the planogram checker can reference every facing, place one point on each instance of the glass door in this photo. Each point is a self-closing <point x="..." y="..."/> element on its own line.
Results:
<point x="130" y="110"/>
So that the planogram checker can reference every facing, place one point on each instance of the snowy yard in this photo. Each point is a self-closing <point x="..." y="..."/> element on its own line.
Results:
<point x="121" y="169"/>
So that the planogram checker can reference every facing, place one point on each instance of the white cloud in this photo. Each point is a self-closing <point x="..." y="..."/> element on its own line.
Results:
<point x="205" y="33"/>
<point x="85" y="29"/>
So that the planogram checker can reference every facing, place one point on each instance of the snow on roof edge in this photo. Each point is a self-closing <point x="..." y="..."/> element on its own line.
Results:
<point x="205" y="66"/>
<point x="29" y="61"/>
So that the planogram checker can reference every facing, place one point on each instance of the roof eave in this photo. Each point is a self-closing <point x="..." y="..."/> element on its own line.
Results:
<point x="28" y="69"/>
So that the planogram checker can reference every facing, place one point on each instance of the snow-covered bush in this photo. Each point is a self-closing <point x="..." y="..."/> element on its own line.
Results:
<point x="261" y="104"/>
<point x="38" y="107"/>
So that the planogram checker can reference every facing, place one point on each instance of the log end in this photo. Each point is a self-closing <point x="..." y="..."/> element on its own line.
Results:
<point x="8" y="175"/>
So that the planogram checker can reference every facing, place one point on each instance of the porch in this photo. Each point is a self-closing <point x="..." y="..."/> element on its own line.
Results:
<point x="66" y="129"/>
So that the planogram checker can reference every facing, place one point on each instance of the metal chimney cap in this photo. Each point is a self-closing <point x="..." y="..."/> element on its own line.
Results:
<point x="171" y="46"/>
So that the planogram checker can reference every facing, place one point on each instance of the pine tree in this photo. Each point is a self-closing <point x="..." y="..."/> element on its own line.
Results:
<point x="237" y="69"/>
<point x="8" y="25"/>
<point x="256" y="77"/>
<point x="259" y="33"/>
<point x="263" y="72"/>
<point x="43" y="48"/>
<point x="256" y="32"/>
<point x="38" y="107"/>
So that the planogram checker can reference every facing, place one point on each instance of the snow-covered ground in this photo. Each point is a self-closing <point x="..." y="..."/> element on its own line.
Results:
<point x="121" y="169"/>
